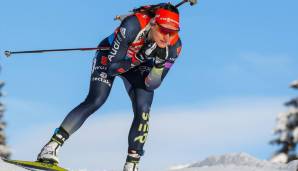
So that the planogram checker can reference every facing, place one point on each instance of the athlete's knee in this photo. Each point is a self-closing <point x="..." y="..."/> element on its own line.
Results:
<point x="95" y="102"/>
<point x="144" y="107"/>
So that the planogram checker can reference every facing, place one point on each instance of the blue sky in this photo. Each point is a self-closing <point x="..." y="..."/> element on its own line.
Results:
<point x="237" y="60"/>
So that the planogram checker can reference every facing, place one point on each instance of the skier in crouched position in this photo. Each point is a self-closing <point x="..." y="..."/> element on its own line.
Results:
<point x="142" y="51"/>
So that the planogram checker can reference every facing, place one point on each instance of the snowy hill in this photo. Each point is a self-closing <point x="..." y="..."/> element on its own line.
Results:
<point x="236" y="162"/>
<point x="228" y="162"/>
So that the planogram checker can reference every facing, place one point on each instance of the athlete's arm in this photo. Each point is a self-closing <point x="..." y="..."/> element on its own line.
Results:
<point x="157" y="74"/>
<point x="128" y="30"/>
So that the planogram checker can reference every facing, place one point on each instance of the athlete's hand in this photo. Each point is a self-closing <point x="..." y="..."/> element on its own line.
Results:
<point x="161" y="56"/>
<point x="147" y="52"/>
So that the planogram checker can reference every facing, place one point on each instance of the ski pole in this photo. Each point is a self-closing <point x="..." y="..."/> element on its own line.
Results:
<point x="9" y="53"/>
<point x="192" y="2"/>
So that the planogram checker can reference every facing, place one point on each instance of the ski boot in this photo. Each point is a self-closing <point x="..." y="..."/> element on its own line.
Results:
<point x="131" y="166"/>
<point x="132" y="162"/>
<point x="49" y="153"/>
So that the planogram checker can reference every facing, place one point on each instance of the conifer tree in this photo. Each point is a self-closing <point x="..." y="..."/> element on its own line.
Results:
<point x="287" y="131"/>
<point x="4" y="150"/>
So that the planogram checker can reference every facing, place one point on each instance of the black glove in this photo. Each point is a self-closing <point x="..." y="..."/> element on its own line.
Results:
<point x="161" y="56"/>
<point x="147" y="51"/>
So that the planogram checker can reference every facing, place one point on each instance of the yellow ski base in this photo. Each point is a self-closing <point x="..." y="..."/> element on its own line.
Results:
<point x="35" y="165"/>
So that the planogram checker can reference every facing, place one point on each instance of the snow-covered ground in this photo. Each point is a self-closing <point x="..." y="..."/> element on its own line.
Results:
<point x="236" y="162"/>
<point x="7" y="167"/>
<point x="227" y="162"/>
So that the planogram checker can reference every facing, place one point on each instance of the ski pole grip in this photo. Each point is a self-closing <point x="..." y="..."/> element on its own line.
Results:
<point x="7" y="54"/>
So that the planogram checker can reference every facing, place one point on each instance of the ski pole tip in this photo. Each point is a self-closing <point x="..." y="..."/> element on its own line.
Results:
<point x="7" y="54"/>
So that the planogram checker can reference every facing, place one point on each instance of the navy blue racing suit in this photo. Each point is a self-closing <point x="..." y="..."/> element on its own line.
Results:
<point x="140" y="80"/>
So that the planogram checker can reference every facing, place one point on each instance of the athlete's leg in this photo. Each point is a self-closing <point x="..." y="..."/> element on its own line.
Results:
<point x="141" y="103"/>
<point x="100" y="86"/>
<point x="140" y="126"/>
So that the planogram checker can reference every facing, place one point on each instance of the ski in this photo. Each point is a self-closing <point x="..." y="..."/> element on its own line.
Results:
<point x="35" y="165"/>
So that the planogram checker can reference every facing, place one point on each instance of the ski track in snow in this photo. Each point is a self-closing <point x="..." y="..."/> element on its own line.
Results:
<point x="227" y="162"/>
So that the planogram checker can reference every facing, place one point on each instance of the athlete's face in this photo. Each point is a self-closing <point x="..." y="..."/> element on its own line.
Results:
<point x="162" y="34"/>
